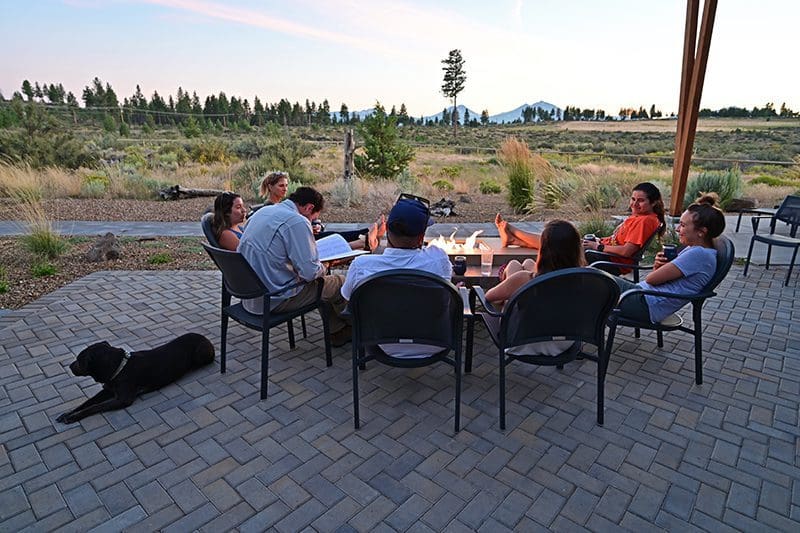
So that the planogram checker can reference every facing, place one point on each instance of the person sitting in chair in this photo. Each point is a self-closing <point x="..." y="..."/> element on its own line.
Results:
<point x="406" y="225"/>
<point x="688" y="273"/>
<point x="228" y="220"/>
<point x="280" y="247"/>
<point x="647" y="214"/>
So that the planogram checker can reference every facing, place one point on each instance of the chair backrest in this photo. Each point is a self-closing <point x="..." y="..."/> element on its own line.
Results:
<point x="205" y="222"/>
<point x="403" y="305"/>
<point x="569" y="304"/>
<point x="638" y="255"/>
<point x="789" y="210"/>
<point x="725" y="256"/>
<point x="238" y="276"/>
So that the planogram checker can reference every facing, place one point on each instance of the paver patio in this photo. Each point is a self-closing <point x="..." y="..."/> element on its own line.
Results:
<point x="206" y="454"/>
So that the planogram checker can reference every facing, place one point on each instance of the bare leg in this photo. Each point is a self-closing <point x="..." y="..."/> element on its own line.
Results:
<point x="511" y="236"/>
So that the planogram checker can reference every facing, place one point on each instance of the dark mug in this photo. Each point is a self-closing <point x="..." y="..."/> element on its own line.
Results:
<point x="459" y="265"/>
<point x="670" y="251"/>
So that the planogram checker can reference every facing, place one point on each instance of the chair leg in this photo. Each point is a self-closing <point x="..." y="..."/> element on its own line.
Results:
<point x="458" y="390"/>
<point x="612" y="330"/>
<point x="602" y="363"/>
<point x="749" y="254"/>
<point x="502" y="389"/>
<point x="326" y="335"/>
<point x="660" y="338"/>
<point x="791" y="266"/>
<point x="303" y="324"/>
<point x="470" y="340"/>
<point x="264" y="362"/>
<point x="223" y="341"/>
<point x="356" y="420"/>
<point x="697" y="310"/>
<point x="738" y="222"/>
<point x="769" y="254"/>
<point x="290" y="330"/>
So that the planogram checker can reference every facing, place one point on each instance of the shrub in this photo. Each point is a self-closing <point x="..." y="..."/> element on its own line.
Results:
<point x="605" y="196"/>
<point x="450" y="172"/>
<point x="345" y="193"/>
<point x="211" y="151"/>
<point x="489" y="186"/>
<point x="42" y="269"/>
<point x="516" y="158"/>
<point x="160" y="258"/>
<point x="3" y="286"/>
<point x="124" y="129"/>
<point x="385" y="155"/>
<point x="597" y="225"/>
<point x="774" y="181"/>
<point x="95" y="186"/>
<point x="557" y="191"/>
<point x="443" y="185"/>
<point x="727" y="184"/>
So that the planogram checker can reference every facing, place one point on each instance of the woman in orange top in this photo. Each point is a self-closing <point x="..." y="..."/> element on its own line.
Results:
<point x="647" y="213"/>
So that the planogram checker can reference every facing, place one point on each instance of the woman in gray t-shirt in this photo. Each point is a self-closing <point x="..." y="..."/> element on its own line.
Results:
<point x="688" y="273"/>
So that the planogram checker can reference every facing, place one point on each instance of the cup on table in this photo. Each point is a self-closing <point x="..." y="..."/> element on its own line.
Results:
<point x="487" y="257"/>
<point x="459" y="265"/>
<point x="670" y="251"/>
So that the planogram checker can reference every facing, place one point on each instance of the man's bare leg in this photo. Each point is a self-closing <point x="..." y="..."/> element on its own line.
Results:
<point x="511" y="236"/>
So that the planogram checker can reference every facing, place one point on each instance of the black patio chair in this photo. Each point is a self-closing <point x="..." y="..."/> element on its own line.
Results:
<point x="725" y="255"/>
<point x="773" y="240"/>
<point x="572" y="304"/>
<point x="408" y="308"/>
<point x="608" y="259"/>
<point x="205" y="223"/>
<point x="240" y="280"/>
<point x="788" y="212"/>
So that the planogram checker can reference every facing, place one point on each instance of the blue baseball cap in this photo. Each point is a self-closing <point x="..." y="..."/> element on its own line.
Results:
<point x="409" y="217"/>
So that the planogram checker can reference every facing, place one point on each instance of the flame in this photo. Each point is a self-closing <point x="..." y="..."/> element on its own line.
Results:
<point x="449" y="244"/>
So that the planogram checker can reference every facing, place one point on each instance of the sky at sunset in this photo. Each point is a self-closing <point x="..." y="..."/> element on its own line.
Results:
<point x="597" y="54"/>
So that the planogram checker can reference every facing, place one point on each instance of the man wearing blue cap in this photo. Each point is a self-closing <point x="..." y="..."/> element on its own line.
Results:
<point x="408" y="220"/>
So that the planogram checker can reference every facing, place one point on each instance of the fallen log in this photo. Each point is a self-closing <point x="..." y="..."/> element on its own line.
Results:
<point x="176" y="192"/>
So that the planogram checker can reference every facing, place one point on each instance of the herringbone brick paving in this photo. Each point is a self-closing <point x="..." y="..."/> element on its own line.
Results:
<point x="206" y="454"/>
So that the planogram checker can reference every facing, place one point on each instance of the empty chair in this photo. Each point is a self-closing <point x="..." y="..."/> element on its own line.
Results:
<point x="725" y="255"/>
<point x="239" y="280"/>
<point x="564" y="309"/>
<point x="788" y="212"/>
<point x="407" y="319"/>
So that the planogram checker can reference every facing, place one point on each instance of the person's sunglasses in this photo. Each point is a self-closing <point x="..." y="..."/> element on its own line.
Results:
<point x="420" y="199"/>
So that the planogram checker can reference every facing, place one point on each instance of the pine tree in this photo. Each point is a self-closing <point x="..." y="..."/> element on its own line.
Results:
<point x="454" y="80"/>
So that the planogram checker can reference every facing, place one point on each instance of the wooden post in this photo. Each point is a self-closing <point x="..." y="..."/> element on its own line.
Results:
<point x="687" y="117"/>
<point x="349" y="152"/>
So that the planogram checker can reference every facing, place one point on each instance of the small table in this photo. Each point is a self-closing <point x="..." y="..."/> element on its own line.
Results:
<point x="474" y="277"/>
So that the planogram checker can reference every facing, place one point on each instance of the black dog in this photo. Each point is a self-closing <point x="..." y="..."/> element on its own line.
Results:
<point x="124" y="376"/>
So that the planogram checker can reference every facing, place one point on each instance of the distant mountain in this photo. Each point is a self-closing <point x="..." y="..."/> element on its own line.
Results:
<point x="500" y="118"/>
<point x="516" y="114"/>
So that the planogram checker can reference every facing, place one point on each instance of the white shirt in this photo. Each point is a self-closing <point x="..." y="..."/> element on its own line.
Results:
<point x="430" y="259"/>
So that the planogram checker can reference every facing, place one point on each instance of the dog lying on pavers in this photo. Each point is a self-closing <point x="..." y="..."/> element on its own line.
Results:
<point x="124" y="376"/>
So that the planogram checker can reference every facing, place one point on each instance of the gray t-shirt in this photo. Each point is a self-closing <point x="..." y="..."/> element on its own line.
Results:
<point x="698" y="265"/>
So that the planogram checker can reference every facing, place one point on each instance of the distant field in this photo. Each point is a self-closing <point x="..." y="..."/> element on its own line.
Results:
<point x="669" y="125"/>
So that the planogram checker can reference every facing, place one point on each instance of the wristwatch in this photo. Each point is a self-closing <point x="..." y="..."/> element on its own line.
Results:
<point x="601" y="247"/>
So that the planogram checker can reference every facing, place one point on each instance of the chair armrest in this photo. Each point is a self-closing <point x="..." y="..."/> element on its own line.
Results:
<point x="292" y="286"/>
<point x="687" y="297"/>
<point x="625" y="265"/>
<point x="464" y="293"/>
<point x="605" y="255"/>
<point x="477" y="290"/>
<point x="755" y="220"/>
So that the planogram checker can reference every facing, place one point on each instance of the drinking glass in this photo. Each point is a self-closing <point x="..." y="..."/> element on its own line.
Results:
<point x="487" y="257"/>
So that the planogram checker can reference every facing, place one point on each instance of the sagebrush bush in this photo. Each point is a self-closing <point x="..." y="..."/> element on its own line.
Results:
<point x="489" y="186"/>
<point x="602" y="196"/>
<point x="211" y="150"/>
<point x="727" y="184"/>
<point x="443" y="185"/>
<point x="346" y="193"/>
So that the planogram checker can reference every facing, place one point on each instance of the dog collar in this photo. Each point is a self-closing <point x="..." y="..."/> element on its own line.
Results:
<point x="125" y="356"/>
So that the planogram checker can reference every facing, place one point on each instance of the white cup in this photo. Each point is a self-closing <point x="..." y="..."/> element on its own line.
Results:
<point x="487" y="257"/>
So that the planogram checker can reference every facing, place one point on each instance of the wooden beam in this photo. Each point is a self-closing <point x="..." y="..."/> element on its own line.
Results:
<point x="689" y="42"/>
<point x="693" y="103"/>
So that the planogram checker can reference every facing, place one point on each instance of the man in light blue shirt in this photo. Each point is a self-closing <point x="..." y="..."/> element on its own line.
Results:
<point x="279" y="245"/>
